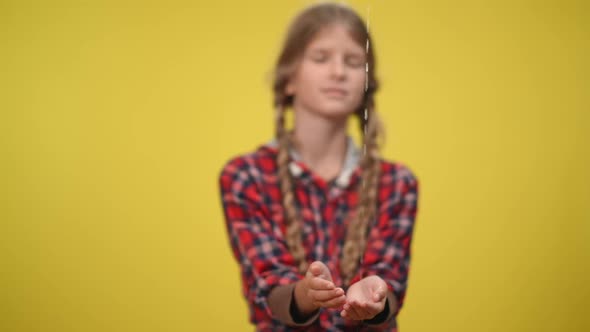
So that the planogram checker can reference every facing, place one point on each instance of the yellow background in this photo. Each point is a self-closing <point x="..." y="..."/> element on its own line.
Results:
<point x="116" y="117"/>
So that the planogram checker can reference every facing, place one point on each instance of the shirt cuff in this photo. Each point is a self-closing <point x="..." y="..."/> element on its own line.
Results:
<point x="387" y="313"/>
<point x="280" y="301"/>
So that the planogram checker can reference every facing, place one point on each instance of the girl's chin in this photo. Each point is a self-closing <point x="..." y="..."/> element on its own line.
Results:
<point x="336" y="114"/>
<point x="337" y="110"/>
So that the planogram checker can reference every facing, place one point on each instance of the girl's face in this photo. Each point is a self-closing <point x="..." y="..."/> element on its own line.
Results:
<point x="330" y="78"/>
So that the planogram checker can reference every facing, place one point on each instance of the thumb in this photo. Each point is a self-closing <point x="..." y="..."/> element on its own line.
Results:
<point x="379" y="294"/>
<point x="319" y="269"/>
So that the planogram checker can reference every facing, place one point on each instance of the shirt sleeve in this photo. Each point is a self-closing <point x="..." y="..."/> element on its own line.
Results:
<point x="387" y="254"/>
<point x="257" y="243"/>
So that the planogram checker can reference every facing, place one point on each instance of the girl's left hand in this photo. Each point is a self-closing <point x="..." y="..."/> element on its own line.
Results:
<point x="365" y="298"/>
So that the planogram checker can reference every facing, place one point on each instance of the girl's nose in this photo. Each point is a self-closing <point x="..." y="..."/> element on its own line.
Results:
<point x="337" y="69"/>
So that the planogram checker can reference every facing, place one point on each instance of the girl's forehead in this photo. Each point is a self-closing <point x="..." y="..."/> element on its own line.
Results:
<point x="334" y="37"/>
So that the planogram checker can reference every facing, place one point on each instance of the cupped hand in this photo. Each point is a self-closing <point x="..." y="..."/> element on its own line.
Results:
<point x="317" y="290"/>
<point x="365" y="298"/>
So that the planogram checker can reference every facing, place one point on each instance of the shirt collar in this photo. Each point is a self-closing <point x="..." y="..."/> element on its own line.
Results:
<point x="351" y="161"/>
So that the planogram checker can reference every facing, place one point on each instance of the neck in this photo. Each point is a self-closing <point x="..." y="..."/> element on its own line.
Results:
<point x="321" y="142"/>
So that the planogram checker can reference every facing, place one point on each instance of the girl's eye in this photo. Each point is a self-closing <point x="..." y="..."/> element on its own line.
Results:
<point x="355" y="62"/>
<point x="319" y="57"/>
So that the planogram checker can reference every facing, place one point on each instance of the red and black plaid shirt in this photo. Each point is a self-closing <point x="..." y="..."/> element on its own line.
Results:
<point x="254" y="216"/>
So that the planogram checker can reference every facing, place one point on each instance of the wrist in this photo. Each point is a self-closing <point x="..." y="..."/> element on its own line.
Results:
<point x="380" y="317"/>
<point x="303" y="303"/>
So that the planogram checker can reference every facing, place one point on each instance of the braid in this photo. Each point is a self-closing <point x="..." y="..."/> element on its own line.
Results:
<point x="293" y="226"/>
<point x="356" y="236"/>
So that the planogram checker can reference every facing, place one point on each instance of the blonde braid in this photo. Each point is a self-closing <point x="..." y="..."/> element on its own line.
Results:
<point x="293" y="225"/>
<point x="356" y="236"/>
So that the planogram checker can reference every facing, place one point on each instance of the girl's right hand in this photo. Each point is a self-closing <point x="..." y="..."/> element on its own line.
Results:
<point x="317" y="290"/>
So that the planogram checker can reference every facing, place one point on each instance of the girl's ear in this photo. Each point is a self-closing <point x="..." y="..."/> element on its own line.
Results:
<point x="290" y="89"/>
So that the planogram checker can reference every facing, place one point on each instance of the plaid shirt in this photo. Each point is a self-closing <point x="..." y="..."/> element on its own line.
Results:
<point x="251" y="199"/>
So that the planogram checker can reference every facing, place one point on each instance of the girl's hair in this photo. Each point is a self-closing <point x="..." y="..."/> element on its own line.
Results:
<point x="303" y="29"/>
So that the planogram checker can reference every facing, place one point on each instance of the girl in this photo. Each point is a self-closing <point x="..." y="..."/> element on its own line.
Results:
<point x="322" y="229"/>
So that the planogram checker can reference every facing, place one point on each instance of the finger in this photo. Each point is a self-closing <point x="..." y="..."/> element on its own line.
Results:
<point x="316" y="268"/>
<point x="345" y="312"/>
<point x="351" y="312"/>
<point x="361" y="310"/>
<point x="318" y="283"/>
<point x="326" y="295"/>
<point x="336" y="302"/>
<point x="379" y="295"/>
<point x="319" y="269"/>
